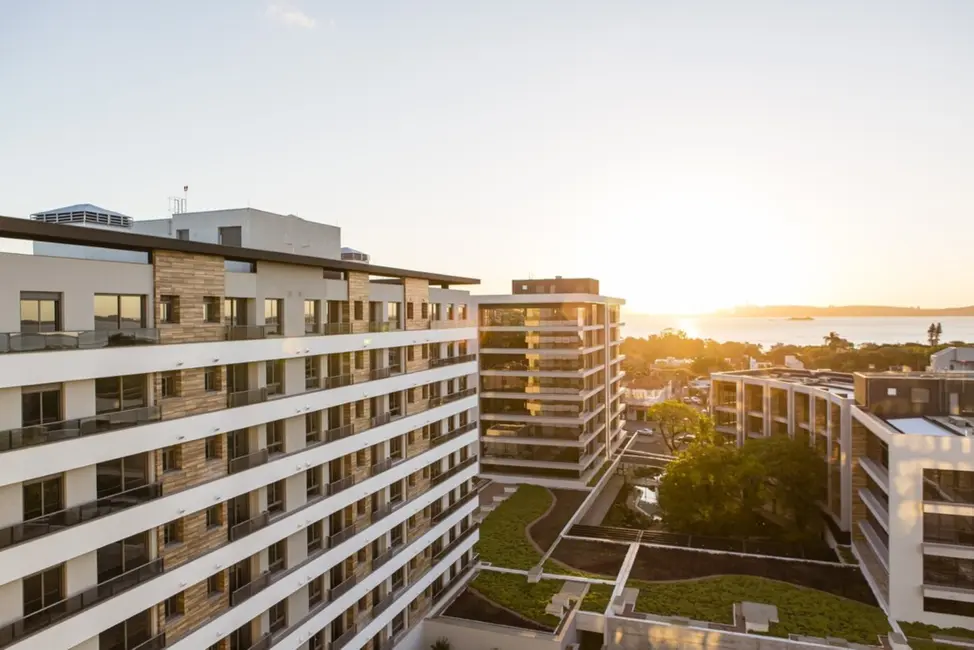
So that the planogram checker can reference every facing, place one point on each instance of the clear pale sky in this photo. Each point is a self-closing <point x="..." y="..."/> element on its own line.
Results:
<point x="691" y="155"/>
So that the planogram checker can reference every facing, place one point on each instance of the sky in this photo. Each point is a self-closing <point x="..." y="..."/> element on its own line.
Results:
<point x="690" y="154"/>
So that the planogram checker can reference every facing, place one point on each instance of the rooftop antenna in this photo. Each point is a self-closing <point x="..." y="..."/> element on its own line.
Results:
<point x="177" y="204"/>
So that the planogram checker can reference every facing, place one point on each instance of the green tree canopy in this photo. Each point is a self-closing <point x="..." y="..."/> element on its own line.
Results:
<point x="679" y="424"/>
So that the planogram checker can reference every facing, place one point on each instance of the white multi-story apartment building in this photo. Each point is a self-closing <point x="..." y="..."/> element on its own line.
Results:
<point x="551" y="391"/>
<point x="221" y="435"/>
<point x="901" y="473"/>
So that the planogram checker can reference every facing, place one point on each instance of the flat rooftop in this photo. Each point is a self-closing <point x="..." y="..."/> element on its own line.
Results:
<point x="942" y="426"/>
<point x="13" y="228"/>
<point x="841" y="382"/>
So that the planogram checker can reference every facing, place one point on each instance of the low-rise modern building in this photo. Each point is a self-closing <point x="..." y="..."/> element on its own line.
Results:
<point x="813" y="405"/>
<point x="217" y="434"/>
<point x="913" y="493"/>
<point x="900" y="452"/>
<point x="551" y="393"/>
<point x="639" y="400"/>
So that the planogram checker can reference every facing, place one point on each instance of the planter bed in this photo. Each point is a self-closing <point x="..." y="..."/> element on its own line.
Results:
<point x="800" y="610"/>
<point x="590" y="558"/>
<point x="545" y="531"/>
<point x="503" y="534"/>
<point x="662" y="564"/>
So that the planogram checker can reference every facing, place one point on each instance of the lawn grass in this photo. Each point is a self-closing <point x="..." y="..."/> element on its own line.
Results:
<point x="800" y="610"/>
<point x="597" y="598"/>
<point x="512" y="591"/>
<point x="592" y="482"/>
<point x="925" y="632"/>
<point x="503" y="534"/>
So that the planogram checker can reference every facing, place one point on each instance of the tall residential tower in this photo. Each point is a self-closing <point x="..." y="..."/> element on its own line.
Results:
<point x="551" y="389"/>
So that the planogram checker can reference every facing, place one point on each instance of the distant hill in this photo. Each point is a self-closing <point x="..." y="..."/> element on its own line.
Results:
<point x="848" y="311"/>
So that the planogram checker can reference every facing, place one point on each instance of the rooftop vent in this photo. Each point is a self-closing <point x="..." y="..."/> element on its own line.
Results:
<point x="83" y="213"/>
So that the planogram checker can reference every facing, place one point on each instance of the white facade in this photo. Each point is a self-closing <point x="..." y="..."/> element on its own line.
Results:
<point x="952" y="360"/>
<point x="307" y="486"/>
<point x="551" y="392"/>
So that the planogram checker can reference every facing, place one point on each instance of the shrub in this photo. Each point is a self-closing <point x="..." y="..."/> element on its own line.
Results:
<point x="597" y="598"/>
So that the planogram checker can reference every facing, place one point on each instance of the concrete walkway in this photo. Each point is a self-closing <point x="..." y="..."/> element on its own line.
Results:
<point x="597" y="512"/>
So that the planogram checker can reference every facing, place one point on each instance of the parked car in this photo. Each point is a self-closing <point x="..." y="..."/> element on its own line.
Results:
<point x="645" y="432"/>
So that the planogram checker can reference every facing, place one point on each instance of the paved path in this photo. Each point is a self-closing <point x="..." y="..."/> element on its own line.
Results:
<point x="603" y="502"/>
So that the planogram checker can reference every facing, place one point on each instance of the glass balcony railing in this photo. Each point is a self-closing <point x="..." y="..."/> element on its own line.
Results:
<point x="40" y="434"/>
<point x="55" y="521"/>
<point x="247" y="332"/>
<point x="384" y="326"/>
<point x="246" y="397"/>
<point x="338" y="433"/>
<point x="341" y="484"/>
<point x="452" y="397"/>
<point x="241" y="594"/>
<point x="78" y="340"/>
<point x="443" y="476"/>
<point x="451" y="435"/>
<point x="248" y="461"/>
<point x="35" y="621"/>
<point x="449" y="361"/>
<point x="337" y="328"/>
<point x="338" y="381"/>
<point x="244" y="528"/>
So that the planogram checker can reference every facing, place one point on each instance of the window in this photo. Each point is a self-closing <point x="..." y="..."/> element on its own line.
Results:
<point x="948" y="529"/>
<point x="234" y="311"/>
<point x="175" y="605"/>
<point x="114" y="312"/>
<point x="311" y="372"/>
<point x="215" y="584"/>
<point x="214" y="447"/>
<point x="409" y="311"/>
<point x="43" y="589"/>
<point x="169" y="384"/>
<point x="275" y="437"/>
<point x="358" y="310"/>
<point x="360" y="409"/>
<point x="942" y="606"/>
<point x="276" y="556"/>
<point x="359" y="359"/>
<point x="40" y="312"/>
<point x="211" y="309"/>
<point x="278" y="616"/>
<point x="211" y="379"/>
<point x="273" y="310"/>
<point x="316" y="593"/>
<point x="315" y="536"/>
<point x="410" y="353"/>
<point x="411" y="395"/>
<point x="274" y="374"/>
<point x="40" y="404"/>
<point x="42" y="497"/>
<point x="312" y="316"/>
<point x="360" y="458"/>
<point x="171" y="458"/>
<point x="426" y="391"/>
<point x="425" y="310"/>
<point x="214" y="516"/>
<point x="312" y="481"/>
<point x="362" y="555"/>
<point x="119" y="393"/>
<point x="230" y="236"/>
<point x="182" y="234"/>
<point x="461" y="312"/>
<point x="172" y="533"/>
<point x="169" y="309"/>
<point x="361" y="507"/>
<point x="275" y="497"/>
<point x="426" y="351"/>
<point x="948" y="572"/>
<point x="954" y="486"/>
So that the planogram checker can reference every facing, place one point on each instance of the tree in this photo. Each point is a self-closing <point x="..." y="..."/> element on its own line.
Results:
<point x="932" y="334"/>
<point x="707" y="365"/>
<point x="835" y="342"/>
<point x="675" y="421"/>
<point x="442" y="643"/>
<point x="795" y="478"/>
<point x="709" y="490"/>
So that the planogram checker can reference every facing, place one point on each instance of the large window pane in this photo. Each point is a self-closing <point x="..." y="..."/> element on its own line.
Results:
<point x="30" y="317"/>
<point x="106" y="312"/>
<point x="133" y="391"/>
<point x="131" y="312"/>
<point x="107" y="394"/>
<point x="48" y="312"/>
